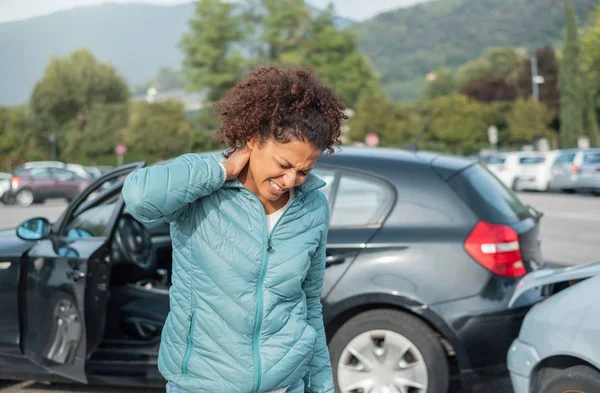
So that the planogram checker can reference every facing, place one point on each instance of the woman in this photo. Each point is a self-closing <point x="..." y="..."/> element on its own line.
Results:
<point x="249" y="233"/>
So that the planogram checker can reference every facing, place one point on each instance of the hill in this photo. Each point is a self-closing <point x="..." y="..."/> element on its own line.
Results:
<point x="138" y="39"/>
<point x="406" y="44"/>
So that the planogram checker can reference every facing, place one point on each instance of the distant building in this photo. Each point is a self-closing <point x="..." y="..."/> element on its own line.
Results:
<point x="193" y="101"/>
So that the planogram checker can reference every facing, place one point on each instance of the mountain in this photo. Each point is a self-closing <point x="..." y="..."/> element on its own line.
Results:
<point x="138" y="39"/>
<point x="406" y="44"/>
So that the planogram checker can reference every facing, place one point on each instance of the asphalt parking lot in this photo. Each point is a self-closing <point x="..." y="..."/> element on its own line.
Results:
<point x="570" y="235"/>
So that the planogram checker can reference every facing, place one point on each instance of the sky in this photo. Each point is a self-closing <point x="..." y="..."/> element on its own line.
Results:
<point x="358" y="10"/>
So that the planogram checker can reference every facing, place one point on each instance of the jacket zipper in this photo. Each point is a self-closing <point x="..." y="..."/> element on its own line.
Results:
<point x="190" y="343"/>
<point x="268" y="247"/>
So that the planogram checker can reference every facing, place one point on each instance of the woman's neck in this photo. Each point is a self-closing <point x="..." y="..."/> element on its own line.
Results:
<point x="270" y="207"/>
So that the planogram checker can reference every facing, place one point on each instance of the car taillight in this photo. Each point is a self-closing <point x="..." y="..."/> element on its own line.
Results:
<point x="496" y="247"/>
<point x="575" y="169"/>
<point x="14" y="182"/>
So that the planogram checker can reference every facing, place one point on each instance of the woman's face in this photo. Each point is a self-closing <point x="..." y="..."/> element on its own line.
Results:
<point x="275" y="167"/>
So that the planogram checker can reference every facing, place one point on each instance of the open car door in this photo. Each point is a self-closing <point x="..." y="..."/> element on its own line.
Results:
<point x="64" y="288"/>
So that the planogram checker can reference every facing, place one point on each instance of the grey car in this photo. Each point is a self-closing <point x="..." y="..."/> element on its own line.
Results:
<point x="558" y="348"/>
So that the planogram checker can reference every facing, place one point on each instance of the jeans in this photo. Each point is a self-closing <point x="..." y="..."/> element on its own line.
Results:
<point x="297" y="387"/>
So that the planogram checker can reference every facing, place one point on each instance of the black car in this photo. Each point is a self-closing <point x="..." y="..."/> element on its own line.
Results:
<point x="424" y="253"/>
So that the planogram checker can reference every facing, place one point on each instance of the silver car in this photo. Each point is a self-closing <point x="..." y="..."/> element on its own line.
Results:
<point x="558" y="348"/>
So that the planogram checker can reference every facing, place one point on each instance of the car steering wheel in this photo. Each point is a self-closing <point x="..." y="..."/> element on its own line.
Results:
<point x="133" y="242"/>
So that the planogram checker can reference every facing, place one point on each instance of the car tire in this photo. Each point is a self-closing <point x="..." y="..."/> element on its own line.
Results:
<point x="24" y="198"/>
<point x="579" y="379"/>
<point x="399" y="328"/>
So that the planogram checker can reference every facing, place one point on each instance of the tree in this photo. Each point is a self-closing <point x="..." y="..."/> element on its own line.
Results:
<point x="373" y="115"/>
<point x="70" y="88"/>
<point x="590" y="57"/>
<point x="284" y="24"/>
<point x="159" y="130"/>
<point x="528" y="121"/>
<point x="505" y="62"/>
<point x="443" y="83"/>
<point x="271" y="32"/>
<point x="458" y="120"/>
<point x="572" y="101"/>
<point x="14" y="136"/>
<point x="335" y="56"/>
<point x="476" y="69"/>
<point x="490" y="88"/>
<point x="212" y="61"/>
<point x="394" y="124"/>
<point x="106" y="125"/>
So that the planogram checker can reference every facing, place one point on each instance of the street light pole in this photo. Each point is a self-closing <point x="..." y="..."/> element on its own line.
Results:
<point x="534" y="79"/>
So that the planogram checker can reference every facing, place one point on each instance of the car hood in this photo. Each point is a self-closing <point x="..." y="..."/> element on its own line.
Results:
<point x="547" y="276"/>
<point x="11" y="245"/>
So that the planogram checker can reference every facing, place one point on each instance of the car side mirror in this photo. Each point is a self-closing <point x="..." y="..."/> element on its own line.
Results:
<point x="34" y="229"/>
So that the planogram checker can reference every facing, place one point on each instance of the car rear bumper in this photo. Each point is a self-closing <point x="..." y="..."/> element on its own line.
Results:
<point x="484" y="331"/>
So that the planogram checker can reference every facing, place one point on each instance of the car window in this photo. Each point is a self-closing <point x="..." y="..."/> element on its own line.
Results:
<point x="488" y="197"/>
<point x="328" y="177"/>
<point x="591" y="158"/>
<point x="494" y="160"/>
<point x="531" y="160"/>
<point x="62" y="174"/>
<point x="359" y="202"/>
<point x="93" y="221"/>
<point x="565" y="158"/>
<point x="39" y="173"/>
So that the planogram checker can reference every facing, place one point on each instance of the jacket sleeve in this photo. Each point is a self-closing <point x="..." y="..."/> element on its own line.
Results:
<point x="165" y="192"/>
<point x="319" y="378"/>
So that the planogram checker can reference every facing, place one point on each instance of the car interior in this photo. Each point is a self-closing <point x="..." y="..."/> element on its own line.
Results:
<point x="140" y="272"/>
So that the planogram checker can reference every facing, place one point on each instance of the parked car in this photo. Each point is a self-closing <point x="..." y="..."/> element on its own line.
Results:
<point x="535" y="171"/>
<point x="558" y="349"/>
<point x="34" y="184"/>
<point x="589" y="173"/>
<point x="423" y="255"/>
<point x="508" y="167"/>
<point x="4" y="185"/>
<point x="566" y="171"/>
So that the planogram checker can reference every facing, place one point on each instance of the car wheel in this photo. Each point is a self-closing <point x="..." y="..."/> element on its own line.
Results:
<point x="388" y="351"/>
<point x="24" y="198"/>
<point x="578" y="379"/>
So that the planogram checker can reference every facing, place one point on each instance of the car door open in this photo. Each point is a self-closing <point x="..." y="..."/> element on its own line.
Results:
<point x="64" y="287"/>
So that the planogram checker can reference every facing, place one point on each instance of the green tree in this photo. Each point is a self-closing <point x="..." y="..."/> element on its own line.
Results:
<point x="15" y="135"/>
<point x="528" y="121"/>
<point x="374" y="114"/>
<point x="476" y="69"/>
<point x="158" y="130"/>
<point x="573" y="100"/>
<point x="506" y="62"/>
<point x="336" y="58"/>
<point x="70" y="88"/>
<point x="590" y="54"/>
<point x="443" y="83"/>
<point x="105" y="126"/>
<point x="458" y="121"/>
<point x="284" y="25"/>
<point x="212" y="61"/>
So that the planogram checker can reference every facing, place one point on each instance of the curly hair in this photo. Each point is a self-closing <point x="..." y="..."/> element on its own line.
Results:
<point x="283" y="104"/>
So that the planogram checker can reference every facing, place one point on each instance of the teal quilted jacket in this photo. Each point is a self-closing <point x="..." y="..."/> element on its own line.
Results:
<point x="245" y="315"/>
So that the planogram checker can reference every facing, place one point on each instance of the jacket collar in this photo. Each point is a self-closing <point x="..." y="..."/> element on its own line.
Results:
<point x="312" y="182"/>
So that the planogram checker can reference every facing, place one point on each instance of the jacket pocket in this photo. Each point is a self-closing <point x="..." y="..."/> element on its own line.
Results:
<point x="189" y="346"/>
